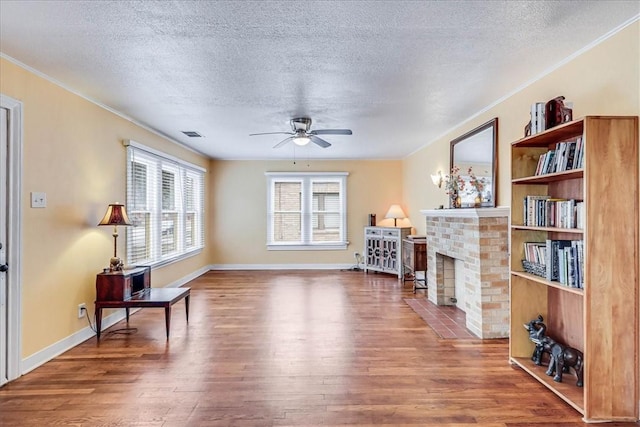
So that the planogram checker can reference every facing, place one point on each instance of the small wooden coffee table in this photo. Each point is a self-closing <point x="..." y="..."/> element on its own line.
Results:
<point x="150" y="297"/>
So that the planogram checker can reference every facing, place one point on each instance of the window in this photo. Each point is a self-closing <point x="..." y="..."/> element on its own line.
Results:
<point x="306" y="210"/>
<point x="165" y="202"/>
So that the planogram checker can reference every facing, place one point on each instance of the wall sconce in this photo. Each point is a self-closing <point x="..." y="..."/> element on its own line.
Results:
<point x="395" y="212"/>
<point x="116" y="215"/>
<point x="437" y="179"/>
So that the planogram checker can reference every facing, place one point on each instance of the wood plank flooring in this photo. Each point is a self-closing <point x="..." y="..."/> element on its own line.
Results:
<point x="294" y="348"/>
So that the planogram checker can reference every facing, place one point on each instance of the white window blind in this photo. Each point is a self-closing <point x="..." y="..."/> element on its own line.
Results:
<point x="165" y="202"/>
<point x="306" y="210"/>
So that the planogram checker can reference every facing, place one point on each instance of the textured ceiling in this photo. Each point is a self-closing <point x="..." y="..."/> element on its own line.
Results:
<point x="399" y="74"/>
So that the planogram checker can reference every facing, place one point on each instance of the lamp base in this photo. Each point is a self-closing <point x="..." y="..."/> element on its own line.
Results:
<point x="115" y="264"/>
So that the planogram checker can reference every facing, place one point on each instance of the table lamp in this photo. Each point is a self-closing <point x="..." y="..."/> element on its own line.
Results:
<point x="116" y="215"/>
<point x="395" y="212"/>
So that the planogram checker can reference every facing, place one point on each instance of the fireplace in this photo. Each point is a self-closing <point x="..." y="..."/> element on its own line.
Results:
<point x="468" y="265"/>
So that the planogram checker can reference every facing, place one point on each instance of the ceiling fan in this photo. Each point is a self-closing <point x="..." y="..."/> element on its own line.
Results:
<point x="301" y="134"/>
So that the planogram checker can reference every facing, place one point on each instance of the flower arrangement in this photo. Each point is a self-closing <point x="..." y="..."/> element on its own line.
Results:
<point x="454" y="183"/>
<point x="475" y="182"/>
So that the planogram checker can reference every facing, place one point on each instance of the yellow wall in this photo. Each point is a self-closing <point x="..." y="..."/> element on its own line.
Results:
<point x="604" y="80"/>
<point x="72" y="151"/>
<point x="238" y="208"/>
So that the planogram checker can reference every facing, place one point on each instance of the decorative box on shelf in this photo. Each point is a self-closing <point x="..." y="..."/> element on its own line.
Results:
<point x="534" y="268"/>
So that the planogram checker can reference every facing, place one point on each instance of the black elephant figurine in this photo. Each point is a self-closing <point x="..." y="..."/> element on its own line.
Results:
<point x="537" y="331"/>
<point x="562" y="358"/>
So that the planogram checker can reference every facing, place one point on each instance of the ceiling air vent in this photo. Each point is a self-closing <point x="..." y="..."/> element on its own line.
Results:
<point x="192" y="134"/>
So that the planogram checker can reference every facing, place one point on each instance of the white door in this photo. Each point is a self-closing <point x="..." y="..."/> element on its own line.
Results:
<point x="4" y="319"/>
<point x="10" y="235"/>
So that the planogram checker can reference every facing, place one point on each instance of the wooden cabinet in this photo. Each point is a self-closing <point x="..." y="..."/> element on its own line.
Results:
<point x="383" y="249"/>
<point x="601" y="318"/>
<point x="414" y="261"/>
<point x="122" y="285"/>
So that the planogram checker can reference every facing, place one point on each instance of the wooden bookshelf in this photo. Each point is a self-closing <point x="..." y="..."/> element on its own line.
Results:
<point x="600" y="320"/>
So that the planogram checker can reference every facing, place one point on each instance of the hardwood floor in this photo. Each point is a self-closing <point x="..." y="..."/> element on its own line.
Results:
<point x="266" y="348"/>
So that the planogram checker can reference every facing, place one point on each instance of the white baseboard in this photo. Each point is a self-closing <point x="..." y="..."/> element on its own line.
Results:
<point x="46" y="354"/>
<point x="188" y="277"/>
<point x="41" y="357"/>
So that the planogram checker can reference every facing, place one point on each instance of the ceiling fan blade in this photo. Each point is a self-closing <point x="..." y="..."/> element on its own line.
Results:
<point x="331" y="132"/>
<point x="284" y="141"/>
<point x="271" y="133"/>
<point x="319" y="141"/>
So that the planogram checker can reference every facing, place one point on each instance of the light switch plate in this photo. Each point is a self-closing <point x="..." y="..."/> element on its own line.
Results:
<point x="38" y="200"/>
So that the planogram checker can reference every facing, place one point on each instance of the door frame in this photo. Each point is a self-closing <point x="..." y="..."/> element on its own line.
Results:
<point x="14" y="235"/>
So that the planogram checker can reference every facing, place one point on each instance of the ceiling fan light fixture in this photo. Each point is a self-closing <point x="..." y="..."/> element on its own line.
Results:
<point x="301" y="140"/>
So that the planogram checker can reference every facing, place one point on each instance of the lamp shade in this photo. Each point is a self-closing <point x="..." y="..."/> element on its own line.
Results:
<point x="395" y="212"/>
<point x="116" y="215"/>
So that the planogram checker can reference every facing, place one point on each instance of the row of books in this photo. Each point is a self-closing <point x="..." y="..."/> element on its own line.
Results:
<point x="563" y="260"/>
<point x="535" y="252"/>
<point x="544" y="211"/>
<point x="566" y="156"/>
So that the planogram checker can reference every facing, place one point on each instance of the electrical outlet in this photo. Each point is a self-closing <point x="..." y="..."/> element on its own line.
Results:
<point x="81" y="309"/>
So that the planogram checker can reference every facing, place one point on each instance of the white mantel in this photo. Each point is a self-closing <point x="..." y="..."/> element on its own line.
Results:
<point x="468" y="212"/>
<point x="477" y="241"/>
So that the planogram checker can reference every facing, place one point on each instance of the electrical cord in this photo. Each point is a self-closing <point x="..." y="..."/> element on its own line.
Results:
<point x="86" y="313"/>
<point x="120" y="331"/>
<point x="356" y="267"/>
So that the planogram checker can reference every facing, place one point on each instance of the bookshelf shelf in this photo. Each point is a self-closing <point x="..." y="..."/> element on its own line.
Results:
<point x="600" y="320"/>
<point x="550" y="229"/>
<point x="552" y="177"/>
<point x="545" y="282"/>
<point x="553" y="135"/>
<point x="566" y="390"/>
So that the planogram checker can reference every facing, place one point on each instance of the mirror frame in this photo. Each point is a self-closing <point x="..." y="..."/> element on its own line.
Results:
<point x="491" y="124"/>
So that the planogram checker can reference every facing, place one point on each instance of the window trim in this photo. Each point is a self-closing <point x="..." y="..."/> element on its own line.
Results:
<point x="183" y="168"/>
<point x="306" y="178"/>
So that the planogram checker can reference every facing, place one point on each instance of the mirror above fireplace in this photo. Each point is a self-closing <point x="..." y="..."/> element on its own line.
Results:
<point x="478" y="150"/>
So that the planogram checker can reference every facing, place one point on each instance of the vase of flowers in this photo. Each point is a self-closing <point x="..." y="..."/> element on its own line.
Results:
<point x="454" y="185"/>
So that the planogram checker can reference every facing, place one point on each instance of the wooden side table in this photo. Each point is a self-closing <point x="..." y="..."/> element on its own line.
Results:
<point x="131" y="289"/>
<point x="414" y="261"/>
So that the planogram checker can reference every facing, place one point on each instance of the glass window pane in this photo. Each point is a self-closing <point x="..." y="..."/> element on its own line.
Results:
<point x="139" y="186"/>
<point x="169" y="239"/>
<point x="139" y="235"/>
<point x="189" y="196"/>
<point x="287" y="196"/>
<point x="287" y="227"/>
<point x="326" y="227"/>
<point x="190" y="232"/>
<point x="168" y="190"/>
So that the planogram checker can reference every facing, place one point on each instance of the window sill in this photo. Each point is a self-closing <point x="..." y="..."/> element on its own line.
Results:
<point x="315" y="247"/>
<point x="167" y="261"/>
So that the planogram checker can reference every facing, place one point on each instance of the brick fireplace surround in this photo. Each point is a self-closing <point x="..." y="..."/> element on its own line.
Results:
<point x="478" y="238"/>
